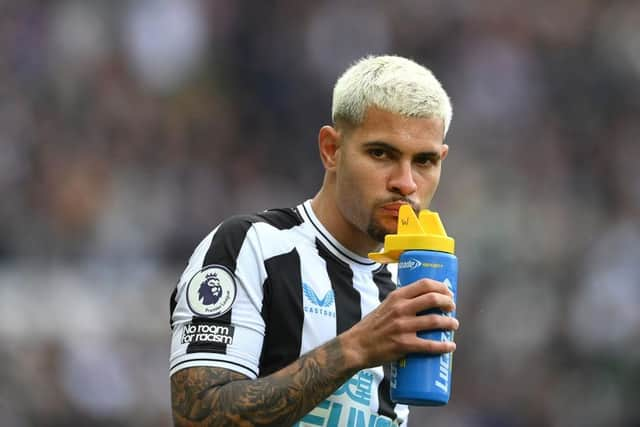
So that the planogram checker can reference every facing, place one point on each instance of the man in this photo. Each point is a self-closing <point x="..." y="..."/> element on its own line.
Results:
<point x="280" y="318"/>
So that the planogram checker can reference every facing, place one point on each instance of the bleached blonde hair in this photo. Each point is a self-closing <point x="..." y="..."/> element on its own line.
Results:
<point x="391" y="83"/>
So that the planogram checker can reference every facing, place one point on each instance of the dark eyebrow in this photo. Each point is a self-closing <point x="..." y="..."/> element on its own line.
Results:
<point x="431" y="155"/>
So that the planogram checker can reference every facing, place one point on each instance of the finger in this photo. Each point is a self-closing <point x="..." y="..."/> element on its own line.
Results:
<point x="429" y="301"/>
<point x="423" y="286"/>
<point x="433" y="347"/>
<point x="430" y="322"/>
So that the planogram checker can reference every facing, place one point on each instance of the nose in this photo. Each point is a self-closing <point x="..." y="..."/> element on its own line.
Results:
<point x="401" y="180"/>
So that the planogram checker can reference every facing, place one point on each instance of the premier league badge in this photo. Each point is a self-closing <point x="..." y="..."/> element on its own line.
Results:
<point x="211" y="291"/>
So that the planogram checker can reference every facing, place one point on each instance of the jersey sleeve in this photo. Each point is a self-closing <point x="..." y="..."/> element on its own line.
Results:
<point x="216" y="310"/>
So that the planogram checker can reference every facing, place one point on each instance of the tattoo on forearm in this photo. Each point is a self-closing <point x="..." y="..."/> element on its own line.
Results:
<point x="206" y="396"/>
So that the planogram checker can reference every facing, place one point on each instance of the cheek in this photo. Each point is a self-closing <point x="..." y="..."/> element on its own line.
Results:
<point x="427" y="186"/>
<point x="349" y="188"/>
<point x="368" y="181"/>
<point x="356" y="187"/>
<point x="350" y="177"/>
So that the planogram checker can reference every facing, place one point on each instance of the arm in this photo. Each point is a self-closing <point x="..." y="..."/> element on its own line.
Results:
<point x="206" y="396"/>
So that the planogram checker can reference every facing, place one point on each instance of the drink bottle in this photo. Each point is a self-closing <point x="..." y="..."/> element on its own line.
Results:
<point x="422" y="249"/>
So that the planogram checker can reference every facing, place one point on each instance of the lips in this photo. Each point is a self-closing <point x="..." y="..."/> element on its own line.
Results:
<point x="393" y="208"/>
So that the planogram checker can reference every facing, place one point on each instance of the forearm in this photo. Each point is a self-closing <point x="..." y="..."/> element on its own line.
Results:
<point x="202" y="398"/>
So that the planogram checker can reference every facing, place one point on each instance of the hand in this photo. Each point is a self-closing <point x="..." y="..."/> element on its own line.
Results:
<point x="389" y="331"/>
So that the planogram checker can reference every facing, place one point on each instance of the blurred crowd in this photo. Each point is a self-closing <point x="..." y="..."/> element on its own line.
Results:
<point x="129" y="129"/>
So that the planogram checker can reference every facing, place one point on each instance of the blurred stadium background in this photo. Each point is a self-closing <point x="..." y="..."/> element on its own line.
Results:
<point x="129" y="129"/>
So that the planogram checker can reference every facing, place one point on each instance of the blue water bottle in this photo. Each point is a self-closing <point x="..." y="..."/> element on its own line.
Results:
<point x="423" y="250"/>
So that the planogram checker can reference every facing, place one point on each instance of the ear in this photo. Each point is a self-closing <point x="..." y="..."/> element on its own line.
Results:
<point x="328" y="144"/>
<point x="444" y="151"/>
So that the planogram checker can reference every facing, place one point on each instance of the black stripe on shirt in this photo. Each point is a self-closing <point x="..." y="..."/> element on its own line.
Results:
<point x="228" y="239"/>
<point x="282" y="219"/>
<point x="282" y="312"/>
<point x="227" y="242"/>
<point x="347" y="298"/>
<point x="385" y="404"/>
<point x="382" y="279"/>
<point x="172" y="305"/>
<point x="224" y="250"/>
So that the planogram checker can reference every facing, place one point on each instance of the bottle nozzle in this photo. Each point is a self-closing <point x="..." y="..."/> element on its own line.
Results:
<point x="425" y="232"/>
<point x="431" y="221"/>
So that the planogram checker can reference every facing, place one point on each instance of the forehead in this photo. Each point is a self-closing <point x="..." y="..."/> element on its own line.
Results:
<point x="412" y="132"/>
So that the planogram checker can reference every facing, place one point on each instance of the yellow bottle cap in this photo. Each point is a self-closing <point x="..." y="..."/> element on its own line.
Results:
<point x="425" y="232"/>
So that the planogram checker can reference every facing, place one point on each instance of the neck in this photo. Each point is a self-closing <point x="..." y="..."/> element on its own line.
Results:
<point x="327" y="211"/>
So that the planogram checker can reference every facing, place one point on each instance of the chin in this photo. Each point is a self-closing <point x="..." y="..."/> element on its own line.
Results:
<point x="390" y="224"/>
<point x="377" y="230"/>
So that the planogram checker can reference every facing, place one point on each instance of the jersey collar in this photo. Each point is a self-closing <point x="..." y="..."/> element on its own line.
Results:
<point x="330" y="242"/>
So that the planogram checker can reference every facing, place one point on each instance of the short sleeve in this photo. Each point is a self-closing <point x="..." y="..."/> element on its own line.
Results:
<point x="216" y="310"/>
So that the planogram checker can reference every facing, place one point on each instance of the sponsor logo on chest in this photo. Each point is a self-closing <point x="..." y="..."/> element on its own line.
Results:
<point x="314" y="304"/>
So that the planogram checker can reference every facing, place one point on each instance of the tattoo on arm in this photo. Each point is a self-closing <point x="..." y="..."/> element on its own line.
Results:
<point x="205" y="396"/>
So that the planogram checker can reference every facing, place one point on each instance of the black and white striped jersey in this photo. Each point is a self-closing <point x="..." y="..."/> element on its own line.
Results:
<point x="261" y="290"/>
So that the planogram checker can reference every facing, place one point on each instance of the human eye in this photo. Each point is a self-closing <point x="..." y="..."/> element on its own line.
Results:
<point x="377" y="153"/>
<point x="427" y="159"/>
